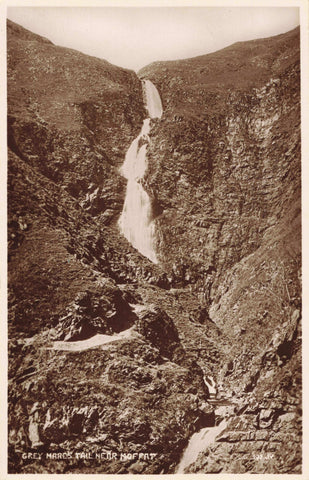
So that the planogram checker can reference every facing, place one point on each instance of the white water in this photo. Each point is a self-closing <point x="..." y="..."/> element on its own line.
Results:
<point x="210" y="383"/>
<point x="153" y="100"/>
<point x="136" y="222"/>
<point x="198" y="443"/>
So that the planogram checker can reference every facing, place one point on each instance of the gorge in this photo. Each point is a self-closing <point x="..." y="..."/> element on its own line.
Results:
<point x="124" y="355"/>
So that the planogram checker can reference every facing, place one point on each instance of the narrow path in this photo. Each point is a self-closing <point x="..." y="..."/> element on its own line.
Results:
<point x="92" y="342"/>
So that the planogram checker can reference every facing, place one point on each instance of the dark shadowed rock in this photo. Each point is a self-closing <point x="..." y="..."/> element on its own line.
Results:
<point x="158" y="328"/>
<point x="91" y="313"/>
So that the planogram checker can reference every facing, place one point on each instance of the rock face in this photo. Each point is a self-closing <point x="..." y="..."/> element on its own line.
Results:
<point x="232" y="155"/>
<point x="90" y="314"/>
<point x="224" y="301"/>
<point x="228" y="146"/>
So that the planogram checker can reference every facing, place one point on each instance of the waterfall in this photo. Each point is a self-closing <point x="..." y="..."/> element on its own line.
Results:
<point x="201" y="440"/>
<point x="198" y="443"/>
<point x="153" y="100"/>
<point x="211" y="385"/>
<point x="136" y="222"/>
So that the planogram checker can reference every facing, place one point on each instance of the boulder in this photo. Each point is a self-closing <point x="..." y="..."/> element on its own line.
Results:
<point x="158" y="328"/>
<point x="90" y="314"/>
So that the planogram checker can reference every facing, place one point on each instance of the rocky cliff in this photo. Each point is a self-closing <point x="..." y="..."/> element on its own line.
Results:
<point x="225" y="177"/>
<point x="107" y="351"/>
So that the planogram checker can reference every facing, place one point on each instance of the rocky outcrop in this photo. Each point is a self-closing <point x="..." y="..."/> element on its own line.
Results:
<point x="123" y="397"/>
<point x="158" y="328"/>
<point x="265" y="432"/>
<point x="90" y="314"/>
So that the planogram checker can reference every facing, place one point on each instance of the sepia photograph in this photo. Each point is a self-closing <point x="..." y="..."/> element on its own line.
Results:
<point x="154" y="233"/>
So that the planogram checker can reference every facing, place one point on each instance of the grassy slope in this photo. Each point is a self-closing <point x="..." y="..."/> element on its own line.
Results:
<point x="239" y="67"/>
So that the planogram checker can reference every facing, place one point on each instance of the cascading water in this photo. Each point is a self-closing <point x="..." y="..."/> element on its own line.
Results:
<point x="153" y="100"/>
<point x="136" y="222"/>
<point x="199" y="443"/>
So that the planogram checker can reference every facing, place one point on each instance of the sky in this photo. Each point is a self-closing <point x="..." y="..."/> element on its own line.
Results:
<point x="133" y="37"/>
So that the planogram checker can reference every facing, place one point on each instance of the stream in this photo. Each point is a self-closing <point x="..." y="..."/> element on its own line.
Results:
<point x="198" y="443"/>
<point x="200" y="440"/>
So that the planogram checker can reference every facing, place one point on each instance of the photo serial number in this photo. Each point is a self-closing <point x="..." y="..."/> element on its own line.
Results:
<point x="263" y="456"/>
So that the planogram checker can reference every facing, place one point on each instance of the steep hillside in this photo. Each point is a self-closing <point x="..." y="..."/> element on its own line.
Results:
<point x="72" y="117"/>
<point x="64" y="184"/>
<point x="108" y="353"/>
<point x="72" y="277"/>
<point x="224" y="175"/>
